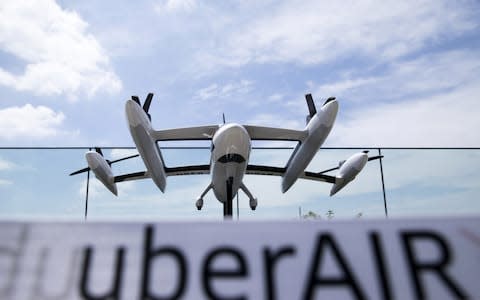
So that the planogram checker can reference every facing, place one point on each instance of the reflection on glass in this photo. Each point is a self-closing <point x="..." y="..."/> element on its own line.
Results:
<point x="34" y="183"/>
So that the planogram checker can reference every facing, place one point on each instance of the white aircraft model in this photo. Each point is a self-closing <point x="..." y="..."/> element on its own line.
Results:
<point x="230" y="152"/>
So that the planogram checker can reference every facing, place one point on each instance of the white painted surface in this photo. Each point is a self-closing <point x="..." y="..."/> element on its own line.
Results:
<point x="45" y="260"/>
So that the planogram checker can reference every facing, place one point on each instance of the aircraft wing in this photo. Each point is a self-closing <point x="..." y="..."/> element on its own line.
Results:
<point x="205" y="169"/>
<point x="277" y="171"/>
<point x="188" y="170"/>
<point x="173" y="171"/>
<point x="188" y="133"/>
<point x="131" y="176"/>
<point x="207" y="132"/>
<point x="317" y="177"/>
<point x="272" y="133"/>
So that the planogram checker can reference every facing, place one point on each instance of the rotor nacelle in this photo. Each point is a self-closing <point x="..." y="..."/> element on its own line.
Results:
<point x="102" y="170"/>
<point x="349" y="170"/>
<point x="140" y="129"/>
<point x="318" y="128"/>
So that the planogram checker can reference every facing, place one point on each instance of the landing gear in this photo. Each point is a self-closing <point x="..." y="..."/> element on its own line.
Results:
<point x="199" y="203"/>
<point x="228" y="204"/>
<point x="253" y="201"/>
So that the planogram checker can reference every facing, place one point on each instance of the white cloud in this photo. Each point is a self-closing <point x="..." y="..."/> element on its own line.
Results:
<point x="61" y="57"/>
<point x="4" y="182"/>
<point x="32" y="122"/>
<point x="119" y="153"/>
<point x="216" y="91"/>
<point x="312" y="32"/>
<point x="430" y="101"/>
<point x="173" y="6"/>
<point x="98" y="191"/>
<point x="275" y="98"/>
<point x="427" y="74"/>
<point x="446" y="120"/>
<point x="340" y="88"/>
<point x="6" y="165"/>
<point x="272" y="120"/>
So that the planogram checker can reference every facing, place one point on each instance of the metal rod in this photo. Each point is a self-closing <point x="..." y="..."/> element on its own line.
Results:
<point x="238" y="209"/>
<point x="227" y="206"/>
<point x="254" y="147"/>
<point x="86" y="194"/>
<point x="383" y="183"/>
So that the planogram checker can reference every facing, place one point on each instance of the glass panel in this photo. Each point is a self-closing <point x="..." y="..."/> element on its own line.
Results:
<point x="34" y="183"/>
<point x="432" y="182"/>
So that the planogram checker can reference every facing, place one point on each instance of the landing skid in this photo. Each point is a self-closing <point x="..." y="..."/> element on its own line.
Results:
<point x="228" y="204"/>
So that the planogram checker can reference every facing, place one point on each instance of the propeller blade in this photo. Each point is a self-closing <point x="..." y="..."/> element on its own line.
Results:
<point x="80" y="171"/>
<point x="329" y="100"/>
<point x="148" y="101"/>
<point x="336" y="168"/>
<point x="99" y="151"/>
<point x="326" y="171"/>
<point x="136" y="99"/>
<point x="123" y="158"/>
<point x="311" y="105"/>
<point x="110" y="162"/>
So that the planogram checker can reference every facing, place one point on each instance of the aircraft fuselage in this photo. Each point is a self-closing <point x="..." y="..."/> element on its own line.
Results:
<point x="231" y="146"/>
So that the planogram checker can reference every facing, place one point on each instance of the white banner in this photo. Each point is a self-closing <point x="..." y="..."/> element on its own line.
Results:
<point x="402" y="259"/>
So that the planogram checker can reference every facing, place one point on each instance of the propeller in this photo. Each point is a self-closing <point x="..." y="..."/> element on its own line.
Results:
<point x="311" y="105"/>
<point x="148" y="101"/>
<point x="330" y="99"/>
<point x="375" y="157"/>
<point x="312" y="110"/>
<point x="109" y="162"/>
<point x="80" y="171"/>
<point x="340" y="164"/>
<point x="136" y="99"/>
<point x="326" y="171"/>
<point x="146" y="104"/>
<point x="146" y="108"/>
<point x="99" y="150"/>
<point x="372" y="157"/>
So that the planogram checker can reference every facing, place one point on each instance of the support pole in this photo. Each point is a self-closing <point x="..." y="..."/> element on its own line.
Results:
<point x="383" y="183"/>
<point x="227" y="206"/>
<point x="238" y="208"/>
<point x="86" y="194"/>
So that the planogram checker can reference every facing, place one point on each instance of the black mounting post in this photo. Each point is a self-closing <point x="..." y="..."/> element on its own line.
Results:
<point x="228" y="205"/>
<point x="86" y="194"/>
<point x="238" y="209"/>
<point x="383" y="183"/>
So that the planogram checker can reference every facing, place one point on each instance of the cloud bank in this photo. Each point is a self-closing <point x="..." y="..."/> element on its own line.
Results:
<point x="59" y="56"/>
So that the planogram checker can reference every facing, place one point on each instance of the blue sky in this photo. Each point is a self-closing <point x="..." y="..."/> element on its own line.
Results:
<point x="405" y="72"/>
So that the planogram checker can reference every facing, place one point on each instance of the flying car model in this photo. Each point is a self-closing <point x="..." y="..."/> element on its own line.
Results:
<point x="231" y="144"/>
